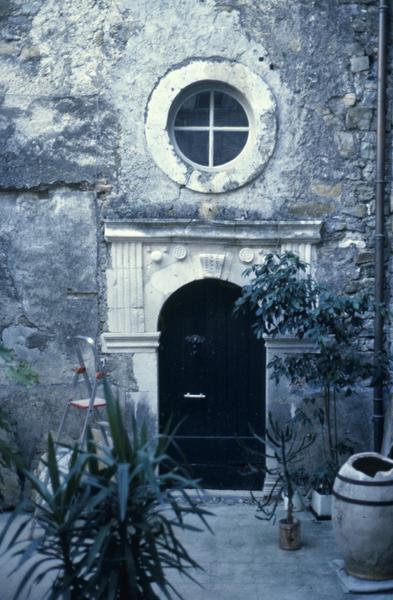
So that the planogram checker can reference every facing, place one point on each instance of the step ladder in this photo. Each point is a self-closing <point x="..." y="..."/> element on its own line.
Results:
<point x="85" y="387"/>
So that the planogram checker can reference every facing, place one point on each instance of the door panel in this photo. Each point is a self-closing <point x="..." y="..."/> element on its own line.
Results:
<point x="212" y="380"/>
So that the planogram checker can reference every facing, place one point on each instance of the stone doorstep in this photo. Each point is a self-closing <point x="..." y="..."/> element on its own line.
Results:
<point x="355" y="585"/>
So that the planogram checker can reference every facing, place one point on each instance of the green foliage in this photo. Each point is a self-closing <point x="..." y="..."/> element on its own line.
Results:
<point x="107" y="526"/>
<point x="286" y="448"/>
<point x="21" y="373"/>
<point x="279" y="298"/>
<point x="18" y="371"/>
<point x="286" y="300"/>
<point x="8" y="456"/>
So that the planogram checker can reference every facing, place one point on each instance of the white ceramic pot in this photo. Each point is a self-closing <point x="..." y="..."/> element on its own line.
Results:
<point x="321" y="504"/>
<point x="362" y="513"/>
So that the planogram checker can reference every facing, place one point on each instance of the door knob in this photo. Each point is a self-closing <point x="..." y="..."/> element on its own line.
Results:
<point x="194" y="396"/>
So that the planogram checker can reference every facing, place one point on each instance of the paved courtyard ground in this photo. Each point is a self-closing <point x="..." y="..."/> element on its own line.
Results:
<point x="242" y="561"/>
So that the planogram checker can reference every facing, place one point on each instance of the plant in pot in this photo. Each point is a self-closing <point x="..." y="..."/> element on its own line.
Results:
<point x="321" y="492"/>
<point x="288" y="301"/>
<point x="286" y="449"/>
<point x="106" y="528"/>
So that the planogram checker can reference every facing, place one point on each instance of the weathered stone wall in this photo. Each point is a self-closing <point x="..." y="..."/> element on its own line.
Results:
<point x="76" y="78"/>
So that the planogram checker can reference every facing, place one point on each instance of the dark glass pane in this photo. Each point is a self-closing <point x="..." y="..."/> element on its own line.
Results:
<point x="227" y="145"/>
<point x="194" y="145"/>
<point x="194" y="111"/>
<point x="228" y="111"/>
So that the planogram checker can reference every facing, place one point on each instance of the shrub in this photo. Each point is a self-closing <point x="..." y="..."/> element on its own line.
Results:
<point x="286" y="300"/>
<point x="107" y="526"/>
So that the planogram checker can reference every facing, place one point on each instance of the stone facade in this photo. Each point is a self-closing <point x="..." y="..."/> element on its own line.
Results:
<point x="76" y="80"/>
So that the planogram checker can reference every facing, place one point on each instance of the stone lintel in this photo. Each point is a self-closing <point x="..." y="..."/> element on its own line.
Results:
<point x="130" y="343"/>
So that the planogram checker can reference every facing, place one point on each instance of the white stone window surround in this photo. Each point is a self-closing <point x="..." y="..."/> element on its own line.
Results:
<point x="260" y="106"/>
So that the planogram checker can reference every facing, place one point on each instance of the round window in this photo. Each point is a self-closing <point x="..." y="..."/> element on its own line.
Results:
<point x="210" y="128"/>
<point x="211" y="125"/>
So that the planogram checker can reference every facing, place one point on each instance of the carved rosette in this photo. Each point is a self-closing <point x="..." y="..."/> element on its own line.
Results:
<point x="180" y="252"/>
<point x="246" y="255"/>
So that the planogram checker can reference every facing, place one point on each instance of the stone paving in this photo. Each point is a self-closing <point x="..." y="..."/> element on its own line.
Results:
<point x="242" y="561"/>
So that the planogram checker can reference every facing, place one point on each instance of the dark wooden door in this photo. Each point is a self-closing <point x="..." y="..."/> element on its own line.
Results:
<point x="212" y="376"/>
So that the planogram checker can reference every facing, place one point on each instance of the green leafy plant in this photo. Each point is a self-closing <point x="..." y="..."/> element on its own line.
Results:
<point x="21" y="373"/>
<point x="107" y="526"/>
<point x="286" y="448"/>
<point x="286" y="300"/>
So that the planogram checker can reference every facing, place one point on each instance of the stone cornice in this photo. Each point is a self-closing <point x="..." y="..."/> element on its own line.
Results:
<point x="128" y="342"/>
<point x="289" y="344"/>
<point x="258" y="232"/>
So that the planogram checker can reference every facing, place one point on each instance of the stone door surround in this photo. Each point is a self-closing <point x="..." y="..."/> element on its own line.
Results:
<point x="151" y="259"/>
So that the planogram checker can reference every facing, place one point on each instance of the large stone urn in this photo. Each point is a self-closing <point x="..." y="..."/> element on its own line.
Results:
<point x="362" y="515"/>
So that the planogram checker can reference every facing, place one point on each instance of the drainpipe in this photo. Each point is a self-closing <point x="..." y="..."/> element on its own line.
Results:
<point x="378" y="416"/>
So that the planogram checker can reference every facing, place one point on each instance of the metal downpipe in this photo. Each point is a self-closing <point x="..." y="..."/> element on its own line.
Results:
<point x="378" y="408"/>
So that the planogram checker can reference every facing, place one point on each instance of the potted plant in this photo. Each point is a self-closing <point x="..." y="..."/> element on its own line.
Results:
<point x="107" y="526"/>
<point x="287" y="300"/>
<point x="286" y="450"/>
<point x="321" y="494"/>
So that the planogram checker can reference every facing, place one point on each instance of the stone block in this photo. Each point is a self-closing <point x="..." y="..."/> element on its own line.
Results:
<point x="328" y="190"/>
<point x="367" y="150"/>
<point x="360" y="63"/>
<point x="345" y="143"/>
<point x="358" y="118"/>
<point x="364" y="258"/>
<point x="54" y="140"/>
<point x="8" y="49"/>
<point x="29" y="53"/>
<point x="51" y="266"/>
<point x="349" y="99"/>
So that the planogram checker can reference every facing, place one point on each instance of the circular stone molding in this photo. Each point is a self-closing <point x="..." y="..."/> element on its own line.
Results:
<point x="260" y="106"/>
<point x="246" y="255"/>
<point x="180" y="252"/>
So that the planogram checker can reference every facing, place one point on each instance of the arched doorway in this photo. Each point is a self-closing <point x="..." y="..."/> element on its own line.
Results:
<point x="212" y="376"/>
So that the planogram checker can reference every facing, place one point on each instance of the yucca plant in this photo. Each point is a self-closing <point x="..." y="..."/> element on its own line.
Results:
<point x="108" y="526"/>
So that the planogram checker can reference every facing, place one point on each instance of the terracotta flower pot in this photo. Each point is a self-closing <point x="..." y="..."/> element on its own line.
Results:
<point x="289" y="534"/>
<point x="362" y="514"/>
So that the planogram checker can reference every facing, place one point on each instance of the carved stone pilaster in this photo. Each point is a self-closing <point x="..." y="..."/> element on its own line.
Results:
<point x="125" y="288"/>
<point x="304" y="250"/>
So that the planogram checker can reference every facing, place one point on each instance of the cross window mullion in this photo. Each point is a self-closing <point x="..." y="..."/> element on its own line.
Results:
<point x="229" y="128"/>
<point x="208" y="128"/>
<point x="192" y="128"/>
<point x="211" y="128"/>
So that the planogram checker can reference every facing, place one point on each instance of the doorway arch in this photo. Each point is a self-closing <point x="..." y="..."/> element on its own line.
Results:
<point x="212" y="379"/>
